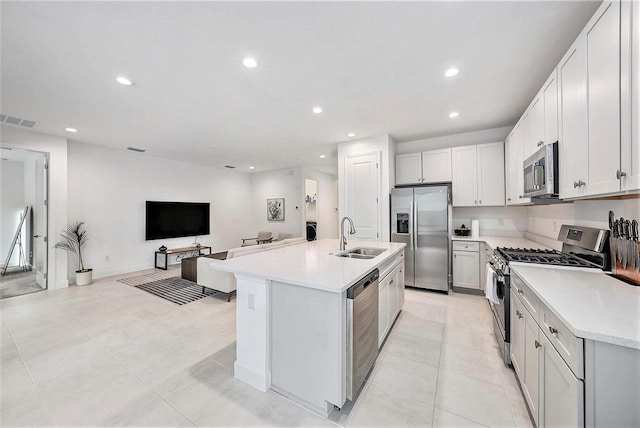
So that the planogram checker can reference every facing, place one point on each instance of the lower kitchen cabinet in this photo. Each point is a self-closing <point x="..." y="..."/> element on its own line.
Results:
<point x="561" y="392"/>
<point x="466" y="265"/>
<point x="525" y="352"/>
<point x="390" y="300"/>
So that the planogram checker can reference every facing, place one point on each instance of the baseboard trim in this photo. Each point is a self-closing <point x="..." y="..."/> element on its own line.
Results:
<point x="254" y="379"/>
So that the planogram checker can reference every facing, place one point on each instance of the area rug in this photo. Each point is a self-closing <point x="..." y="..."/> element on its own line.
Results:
<point x="169" y="286"/>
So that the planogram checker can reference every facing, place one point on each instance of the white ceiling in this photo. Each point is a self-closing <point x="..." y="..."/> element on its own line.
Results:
<point x="375" y="67"/>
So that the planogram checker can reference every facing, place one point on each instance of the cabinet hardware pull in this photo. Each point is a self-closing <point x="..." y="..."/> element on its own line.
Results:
<point x="540" y="143"/>
<point x="538" y="345"/>
<point x="581" y="183"/>
<point x="520" y="291"/>
<point x="575" y="184"/>
<point x="518" y="314"/>
<point x="520" y="196"/>
<point x="620" y="174"/>
<point x="508" y="199"/>
<point x="475" y="202"/>
<point x="480" y="202"/>
<point x="553" y="330"/>
<point x="391" y="282"/>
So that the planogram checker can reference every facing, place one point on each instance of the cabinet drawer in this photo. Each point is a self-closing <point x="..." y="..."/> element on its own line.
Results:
<point x="390" y="264"/>
<point x="568" y="346"/>
<point x="529" y="300"/>
<point x="466" y="246"/>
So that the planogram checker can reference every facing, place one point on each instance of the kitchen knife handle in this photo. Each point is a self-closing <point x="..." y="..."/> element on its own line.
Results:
<point x="634" y="230"/>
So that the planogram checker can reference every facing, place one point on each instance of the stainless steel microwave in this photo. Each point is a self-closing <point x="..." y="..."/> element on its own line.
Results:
<point x="541" y="173"/>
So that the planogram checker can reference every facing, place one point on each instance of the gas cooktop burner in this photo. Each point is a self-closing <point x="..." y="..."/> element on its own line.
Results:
<point x="545" y="257"/>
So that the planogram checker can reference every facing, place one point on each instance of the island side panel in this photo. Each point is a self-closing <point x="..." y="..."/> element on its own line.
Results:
<point x="308" y="345"/>
<point x="252" y="332"/>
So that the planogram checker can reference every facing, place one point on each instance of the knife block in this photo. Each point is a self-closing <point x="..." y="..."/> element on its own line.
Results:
<point x="627" y="274"/>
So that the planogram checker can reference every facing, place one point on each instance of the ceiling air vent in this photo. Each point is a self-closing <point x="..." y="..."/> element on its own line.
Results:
<point x="17" y="121"/>
<point x="135" y="149"/>
<point x="229" y="166"/>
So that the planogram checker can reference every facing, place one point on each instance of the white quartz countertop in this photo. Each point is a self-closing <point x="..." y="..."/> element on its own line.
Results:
<point x="590" y="303"/>
<point x="502" y="241"/>
<point x="312" y="264"/>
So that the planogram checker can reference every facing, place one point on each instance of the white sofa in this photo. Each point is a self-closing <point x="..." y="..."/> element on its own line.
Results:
<point x="210" y="277"/>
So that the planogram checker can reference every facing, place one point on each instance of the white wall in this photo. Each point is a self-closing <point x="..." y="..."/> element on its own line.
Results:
<point x="494" y="221"/>
<point x="546" y="220"/>
<point x="456" y="140"/>
<point x="12" y="204"/>
<point x="385" y="146"/>
<point x="56" y="147"/>
<point x="327" y="205"/>
<point x="282" y="183"/>
<point x="108" y="189"/>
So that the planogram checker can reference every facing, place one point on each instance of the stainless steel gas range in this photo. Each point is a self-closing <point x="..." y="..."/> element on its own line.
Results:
<point x="582" y="247"/>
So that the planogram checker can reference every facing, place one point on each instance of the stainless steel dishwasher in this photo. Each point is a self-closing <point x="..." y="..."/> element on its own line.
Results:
<point x="362" y="330"/>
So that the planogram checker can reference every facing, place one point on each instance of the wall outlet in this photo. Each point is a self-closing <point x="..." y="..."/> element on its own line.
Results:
<point x="107" y="258"/>
<point x="252" y="301"/>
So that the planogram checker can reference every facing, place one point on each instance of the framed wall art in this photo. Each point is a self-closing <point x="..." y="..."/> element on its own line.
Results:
<point x="275" y="209"/>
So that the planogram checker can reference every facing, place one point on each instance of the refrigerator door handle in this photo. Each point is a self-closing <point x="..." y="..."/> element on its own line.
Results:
<point x="414" y="205"/>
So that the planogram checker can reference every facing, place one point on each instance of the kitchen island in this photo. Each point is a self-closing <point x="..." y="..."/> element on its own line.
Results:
<point x="291" y="333"/>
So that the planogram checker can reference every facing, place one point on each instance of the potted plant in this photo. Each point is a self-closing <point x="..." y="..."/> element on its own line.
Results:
<point x="73" y="239"/>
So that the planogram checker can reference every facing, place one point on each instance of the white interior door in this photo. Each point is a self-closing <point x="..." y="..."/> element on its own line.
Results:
<point x="40" y="211"/>
<point x="362" y="194"/>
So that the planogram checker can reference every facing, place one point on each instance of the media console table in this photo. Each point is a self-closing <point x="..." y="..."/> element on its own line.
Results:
<point x="177" y="251"/>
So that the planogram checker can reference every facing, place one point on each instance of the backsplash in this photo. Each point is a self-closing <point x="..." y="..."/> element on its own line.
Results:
<point x="494" y="221"/>
<point x="546" y="220"/>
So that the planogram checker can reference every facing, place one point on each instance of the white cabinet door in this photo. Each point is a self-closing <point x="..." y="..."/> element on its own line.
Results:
<point x="401" y="286"/>
<point x="603" y="100"/>
<point x="466" y="269"/>
<point x="510" y="173"/>
<point x="362" y="194"/>
<point x="537" y="123"/>
<point x="436" y="166"/>
<point x="518" y="148"/>
<point x="518" y="332"/>
<point x="630" y="60"/>
<point x="528" y="147"/>
<point x="550" y="99"/>
<point x="409" y="169"/>
<point x="393" y="295"/>
<point x="465" y="176"/>
<point x="490" y="174"/>
<point x="383" y="310"/>
<point x="573" y="121"/>
<point x="531" y="364"/>
<point x="561" y="393"/>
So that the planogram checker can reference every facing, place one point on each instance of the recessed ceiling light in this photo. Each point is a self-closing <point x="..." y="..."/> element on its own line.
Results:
<point x="124" y="81"/>
<point x="454" y="114"/>
<point x="317" y="110"/>
<point x="71" y="129"/>
<point x="351" y="135"/>
<point x="252" y="167"/>
<point x="250" y="62"/>
<point x="322" y="156"/>
<point x="451" y="72"/>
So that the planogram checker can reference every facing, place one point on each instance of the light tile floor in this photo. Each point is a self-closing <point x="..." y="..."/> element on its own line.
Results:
<point x="108" y="354"/>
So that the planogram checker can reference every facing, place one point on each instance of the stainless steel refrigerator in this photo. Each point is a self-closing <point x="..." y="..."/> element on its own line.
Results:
<point x="421" y="218"/>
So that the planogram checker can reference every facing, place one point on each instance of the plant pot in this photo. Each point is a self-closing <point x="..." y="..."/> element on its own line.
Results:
<point x="84" y="278"/>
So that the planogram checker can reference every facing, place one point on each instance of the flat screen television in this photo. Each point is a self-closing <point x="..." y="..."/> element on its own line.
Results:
<point x="176" y="219"/>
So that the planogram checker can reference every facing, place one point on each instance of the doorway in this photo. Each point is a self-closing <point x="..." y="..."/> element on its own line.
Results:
<point x="23" y="222"/>
<point x="311" y="209"/>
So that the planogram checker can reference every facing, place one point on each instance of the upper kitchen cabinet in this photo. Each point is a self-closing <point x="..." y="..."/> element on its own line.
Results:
<point x="478" y="175"/>
<point x="515" y="148"/>
<point x="543" y="114"/>
<point x="630" y="91"/>
<point x="409" y="169"/>
<point x="433" y="166"/>
<point x="589" y="82"/>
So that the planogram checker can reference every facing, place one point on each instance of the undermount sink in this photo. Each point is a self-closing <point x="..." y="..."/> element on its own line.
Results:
<point x="361" y="253"/>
